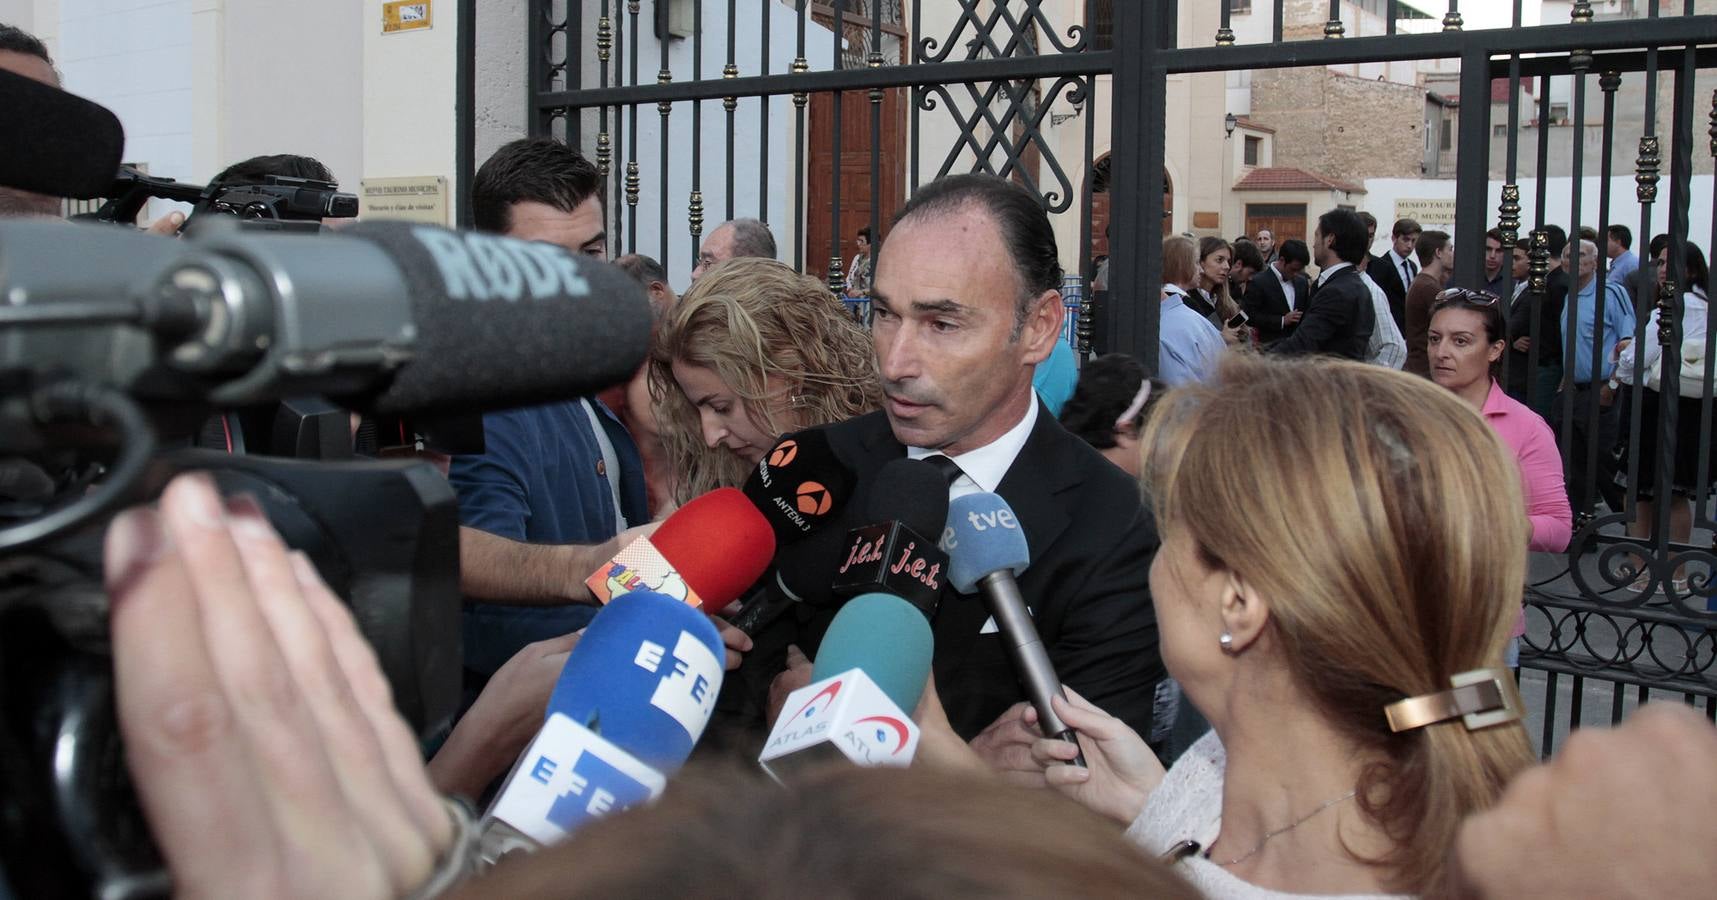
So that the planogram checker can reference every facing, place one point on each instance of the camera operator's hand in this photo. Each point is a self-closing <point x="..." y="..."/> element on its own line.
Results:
<point x="168" y="225"/>
<point x="258" y="727"/>
<point x="500" y="724"/>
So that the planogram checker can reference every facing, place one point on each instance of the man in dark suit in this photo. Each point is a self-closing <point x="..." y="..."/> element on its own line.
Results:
<point x="1340" y="317"/>
<point x="1395" y="268"/>
<point x="1267" y="303"/>
<point x="957" y="339"/>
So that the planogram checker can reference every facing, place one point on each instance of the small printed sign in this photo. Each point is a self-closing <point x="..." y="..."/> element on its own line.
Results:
<point x="410" y="199"/>
<point x="1426" y="212"/>
<point x="405" y="15"/>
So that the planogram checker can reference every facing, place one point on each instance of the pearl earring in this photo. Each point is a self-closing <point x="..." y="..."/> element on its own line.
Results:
<point x="1227" y="642"/>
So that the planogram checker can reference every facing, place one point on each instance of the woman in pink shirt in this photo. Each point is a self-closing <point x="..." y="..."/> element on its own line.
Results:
<point x="1465" y="340"/>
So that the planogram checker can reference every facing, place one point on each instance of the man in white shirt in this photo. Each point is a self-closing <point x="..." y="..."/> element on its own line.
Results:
<point x="1395" y="268"/>
<point x="1388" y="347"/>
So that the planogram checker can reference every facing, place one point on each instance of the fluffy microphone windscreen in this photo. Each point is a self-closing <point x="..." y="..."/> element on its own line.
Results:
<point x="528" y="322"/>
<point x="886" y="637"/>
<point x="984" y="537"/>
<point x="799" y="484"/>
<point x="644" y="676"/>
<point x="56" y="143"/>
<point x="719" y="543"/>
<point x="913" y="493"/>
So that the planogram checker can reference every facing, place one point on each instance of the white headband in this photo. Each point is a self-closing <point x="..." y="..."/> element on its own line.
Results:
<point x="1137" y="405"/>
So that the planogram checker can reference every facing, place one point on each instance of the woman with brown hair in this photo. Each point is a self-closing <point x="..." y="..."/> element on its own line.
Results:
<point x="1352" y="671"/>
<point x="754" y="350"/>
<point x="1211" y="296"/>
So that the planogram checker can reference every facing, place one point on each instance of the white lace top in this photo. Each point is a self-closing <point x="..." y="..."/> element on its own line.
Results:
<point x="1188" y="806"/>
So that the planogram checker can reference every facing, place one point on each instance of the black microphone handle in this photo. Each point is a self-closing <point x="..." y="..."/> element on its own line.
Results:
<point x="1025" y="647"/>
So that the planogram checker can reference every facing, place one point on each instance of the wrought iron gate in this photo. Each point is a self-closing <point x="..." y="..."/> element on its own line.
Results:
<point x="992" y="84"/>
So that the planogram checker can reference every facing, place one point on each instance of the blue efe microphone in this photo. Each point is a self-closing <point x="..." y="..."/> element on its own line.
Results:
<point x="986" y="550"/>
<point x="632" y="700"/>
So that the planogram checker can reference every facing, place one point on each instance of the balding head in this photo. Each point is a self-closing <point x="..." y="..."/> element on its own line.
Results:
<point x="733" y="240"/>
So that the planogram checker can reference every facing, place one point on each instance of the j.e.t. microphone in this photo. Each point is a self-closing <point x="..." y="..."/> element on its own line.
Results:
<point x="986" y="549"/>
<point x="870" y="671"/>
<point x="385" y="317"/>
<point x="706" y="554"/>
<point x="633" y="698"/>
<point x="898" y="554"/>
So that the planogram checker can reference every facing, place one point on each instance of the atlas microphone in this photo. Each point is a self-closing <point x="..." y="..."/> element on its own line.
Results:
<point x="898" y="554"/>
<point x="706" y="554"/>
<point x="986" y="549"/>
<point x="633" y="698"/>
<point x="384" y="317"/>
<point x="870" y="671"/>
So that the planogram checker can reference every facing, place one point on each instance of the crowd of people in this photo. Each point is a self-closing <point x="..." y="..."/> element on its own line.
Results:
<point x="1334" y="632"/>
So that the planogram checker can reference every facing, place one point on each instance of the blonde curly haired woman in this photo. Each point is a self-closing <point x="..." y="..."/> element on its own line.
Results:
<point x="753" y="351"/>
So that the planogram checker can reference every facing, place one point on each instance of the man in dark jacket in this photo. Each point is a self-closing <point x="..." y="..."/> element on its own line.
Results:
<point x="1340" y="317"/>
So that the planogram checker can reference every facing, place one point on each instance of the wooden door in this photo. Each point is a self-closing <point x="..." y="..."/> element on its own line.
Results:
<point x="855" y="168"/>
<point x="1287" y="221"/>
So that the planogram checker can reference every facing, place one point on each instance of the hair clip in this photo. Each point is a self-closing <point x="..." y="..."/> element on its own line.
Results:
<point x="798" y="401"/>
<point x="1481" y="698"/>
<point x="1136" y="406"/>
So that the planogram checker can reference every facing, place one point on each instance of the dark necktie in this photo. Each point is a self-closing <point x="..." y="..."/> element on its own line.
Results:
<point x="949" y="469"/>
<point x="1411" y="270"/>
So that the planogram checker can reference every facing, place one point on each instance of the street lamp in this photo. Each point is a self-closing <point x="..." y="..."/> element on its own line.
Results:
<point x="1228" y="123"/>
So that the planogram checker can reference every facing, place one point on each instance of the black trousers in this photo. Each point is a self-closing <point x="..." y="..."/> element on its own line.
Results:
<point x="1586" y="483"/>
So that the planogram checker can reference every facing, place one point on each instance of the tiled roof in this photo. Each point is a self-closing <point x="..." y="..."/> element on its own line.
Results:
<point x="1287" y="178"/>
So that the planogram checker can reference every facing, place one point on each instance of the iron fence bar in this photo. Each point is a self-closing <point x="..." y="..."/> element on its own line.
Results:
<point x="874" y="60"/>
<point x="1570" y="307"/>
<point x="1671" y="297"/>
<point x="730" y="103"/>
<point x="1389" y="17"/>
<point x="572" y="33"/>
<point x="465" y="140"/>
<point x="1088" y="299"/>
<point x="763" y="126"/>
<point x="1399" y="48"/>
<point x="1136" y="176"/>
<point x="1633" y="60"/>
<point x="1537" y="284"/>
<point x="1550" y="678"/>
<point x="632" y="145"/>
<point x="838" y="31"/>
<point x="664" y="108"/>
<point x="1472" y="177"/>
<point x="797" y="76"/>
<point x="1508" y="212"/>
<point x="604" y="142"/>
<point x="1576" y="700"/>
<point x="1608" y="84"/>
<point x="694" y="203"/>
<point x="1645" y="178"/>
<point x="616" y="207"/>
<point x="1705" y="403"/>
<point x="535" y="18"/>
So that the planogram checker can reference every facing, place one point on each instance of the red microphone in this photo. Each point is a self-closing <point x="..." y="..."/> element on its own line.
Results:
<point x="707" y="553"/>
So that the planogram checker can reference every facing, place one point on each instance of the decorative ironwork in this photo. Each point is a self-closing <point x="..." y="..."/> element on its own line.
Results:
<point x="604" y="38"/>
<point x="694" y="213"/>
<point x="1650" y="163"/>
<point x="730" y="71"/>
<point x="1334" y="29"/>
<point x="1581" y="14"/>
<point x="1538" y="262"/>
<point x="998" y="131"/>
<point x="1021" y="30"/>
<point x="874" y="61"/>
<point x="1452" y="21"/>
<point x="800" y="67"/>
<point x="1225" y="36"/>
<point x="663" y="106"/>
<point x="632" y="183"/>
<point x="1508" y="215"/>
<point x="1713" y="131"/>
<point x="604" y="152"/>
<point x="1082" y="328"/>
<point x="837" y="278"/>
<point x="1610" y="81"/>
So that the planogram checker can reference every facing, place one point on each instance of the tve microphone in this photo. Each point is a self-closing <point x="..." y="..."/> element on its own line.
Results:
<point x="385" y="317"/>
<point x="909" y="500"/>
<point x="706" y="554"/>
<point x="57" y="143"/>
<point x="870" y="672"/>
<point x="632" y="700"/>
<point x="799" y="484"/>
<point x="986" y="549"/>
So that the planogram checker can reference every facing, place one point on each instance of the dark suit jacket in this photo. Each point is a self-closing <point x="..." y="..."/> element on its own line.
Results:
<point x="1265" y="303"/>
<point x="1549" y="338"/>
<point x="1383" y="271"/>
<point x="1087" y="586"/>
<point x="1338" y="321"/>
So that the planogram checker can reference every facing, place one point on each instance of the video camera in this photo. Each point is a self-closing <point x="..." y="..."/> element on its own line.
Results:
<point x="279" y="203"/>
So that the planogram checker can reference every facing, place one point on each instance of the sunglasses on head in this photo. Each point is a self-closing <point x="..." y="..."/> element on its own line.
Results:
<point x="1467" y="297"/>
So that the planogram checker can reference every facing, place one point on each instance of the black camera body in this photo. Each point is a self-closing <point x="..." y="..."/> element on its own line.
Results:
<point x="278" y="203"/>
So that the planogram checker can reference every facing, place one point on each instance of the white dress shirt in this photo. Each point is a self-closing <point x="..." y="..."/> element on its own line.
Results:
<point x="1400" y="263"/>
<point x="1287" y="287"/>
<point x="1388" y="347"/>
<point x="985" y="467"/>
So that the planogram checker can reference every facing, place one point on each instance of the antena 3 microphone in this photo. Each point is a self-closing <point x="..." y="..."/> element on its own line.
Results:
<point x="986" y="550"/>
<point x="799" y="484"/>
<point x="633" y="698"/>
<point x="870" y="672"/>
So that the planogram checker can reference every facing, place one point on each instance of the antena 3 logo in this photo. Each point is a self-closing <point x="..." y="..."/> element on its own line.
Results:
<point x="784" y="454"/>
<point x="484" y="267"/>
<point x="813" y="499"/>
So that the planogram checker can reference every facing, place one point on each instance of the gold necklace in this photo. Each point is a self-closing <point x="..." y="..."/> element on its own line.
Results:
<point x="1283" y="830"/>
